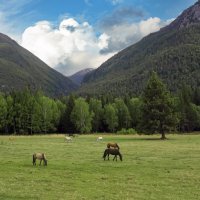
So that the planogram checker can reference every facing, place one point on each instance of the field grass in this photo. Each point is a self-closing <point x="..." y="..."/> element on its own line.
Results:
<point x="151" y="169"/>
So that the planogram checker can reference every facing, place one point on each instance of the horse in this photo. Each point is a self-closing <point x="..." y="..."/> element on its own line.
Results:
<point x="41" y="157"/>
<point x="114" y="152"/>
<point x="99" y="138"/>
<point x="68" y="139"/>
<point x="114" y="145"/>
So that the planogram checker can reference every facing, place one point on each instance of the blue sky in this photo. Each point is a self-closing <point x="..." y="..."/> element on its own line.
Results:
<point x="70" y="35"/>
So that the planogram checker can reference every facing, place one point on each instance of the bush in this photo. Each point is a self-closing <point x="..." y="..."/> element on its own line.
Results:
<point x="129" y="131"/>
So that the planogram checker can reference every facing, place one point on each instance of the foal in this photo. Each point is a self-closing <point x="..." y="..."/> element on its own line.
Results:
<point x="114" y="152"/>
<point x="41" y="157"/>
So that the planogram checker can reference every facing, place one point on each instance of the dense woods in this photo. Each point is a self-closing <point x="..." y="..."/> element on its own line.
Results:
<point x="155" y="111"/>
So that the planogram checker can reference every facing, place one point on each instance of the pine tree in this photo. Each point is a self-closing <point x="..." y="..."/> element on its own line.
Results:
<point x="158" y="114"/>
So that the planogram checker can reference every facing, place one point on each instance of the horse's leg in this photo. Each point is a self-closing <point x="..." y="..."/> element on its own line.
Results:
<point x="115" y="158"/>
<point x="40" y="161"/>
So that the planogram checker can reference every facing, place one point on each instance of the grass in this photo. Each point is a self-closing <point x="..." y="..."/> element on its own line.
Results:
<point x="151" y="168"/>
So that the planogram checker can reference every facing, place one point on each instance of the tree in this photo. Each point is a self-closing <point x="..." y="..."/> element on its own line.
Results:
<point x="111" y="119"/>
<point x="96" y="108"/>
<point x="189" y="112"/>
<point x="66" y="124"/>
<point x="158" y="108"/>
<point x="135" y="107"/>
<point x="81" y="117"/>
<point x="3" y="112"/>
<point x="122" y="114"/>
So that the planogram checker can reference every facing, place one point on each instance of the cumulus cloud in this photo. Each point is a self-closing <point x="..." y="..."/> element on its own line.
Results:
<point x="69" y="47"/>
<point x="73" y="46"/>
<point x="122" y="35"/>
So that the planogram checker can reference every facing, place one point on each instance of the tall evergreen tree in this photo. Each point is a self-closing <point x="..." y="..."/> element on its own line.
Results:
<point x="158" y="108"/>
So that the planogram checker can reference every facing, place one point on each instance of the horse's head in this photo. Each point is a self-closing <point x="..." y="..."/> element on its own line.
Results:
<point x="105" y="154"/>
<point x="45" y="162"/>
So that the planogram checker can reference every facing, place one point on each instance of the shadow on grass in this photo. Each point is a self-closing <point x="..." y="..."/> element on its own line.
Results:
<point x="141" y="138"/>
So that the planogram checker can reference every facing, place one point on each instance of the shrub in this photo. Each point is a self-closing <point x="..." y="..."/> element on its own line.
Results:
<point x="129" y="131"/>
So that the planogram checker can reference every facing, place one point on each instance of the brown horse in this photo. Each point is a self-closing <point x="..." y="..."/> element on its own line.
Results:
<point x="41" y="157"/>
<point x="114" y="152"/>
<point x="113" y="145"/>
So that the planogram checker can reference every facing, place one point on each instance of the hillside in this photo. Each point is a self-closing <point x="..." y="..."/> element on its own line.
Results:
<point x="78" y="77"/>
<point x="19" y="68"/>
<point x="173" y="52"/>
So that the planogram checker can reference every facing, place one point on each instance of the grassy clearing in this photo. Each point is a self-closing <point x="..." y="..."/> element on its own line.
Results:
<point x="151" y="169"/>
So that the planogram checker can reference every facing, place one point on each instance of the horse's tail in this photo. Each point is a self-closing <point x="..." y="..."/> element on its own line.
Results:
<point x="120" y="156"/>
<point x="34" y="159"/>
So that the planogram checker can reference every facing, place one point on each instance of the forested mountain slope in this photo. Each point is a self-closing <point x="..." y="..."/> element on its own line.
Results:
<point x="19" y="68"/>
<point x="173" y="52"/>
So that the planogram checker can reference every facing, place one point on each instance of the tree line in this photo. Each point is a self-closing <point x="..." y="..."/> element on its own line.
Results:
<point x="155" y="111"/>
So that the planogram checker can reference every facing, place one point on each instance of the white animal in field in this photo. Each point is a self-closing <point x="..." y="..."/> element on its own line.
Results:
<point x="68" y="139"/>
<point x="100" y="138"/>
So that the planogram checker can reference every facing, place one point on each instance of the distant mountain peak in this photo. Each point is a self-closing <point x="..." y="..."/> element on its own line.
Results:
<point x="78" y="77"/>
<point x="188" y="17"/>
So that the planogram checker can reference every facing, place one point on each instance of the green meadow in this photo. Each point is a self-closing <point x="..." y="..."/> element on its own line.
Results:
<point x="151" y="168"/>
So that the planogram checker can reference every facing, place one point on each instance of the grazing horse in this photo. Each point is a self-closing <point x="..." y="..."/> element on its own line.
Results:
<point x="114" y="152"/>
<point x="41" y="157"/>
<point x="114" y="145"/>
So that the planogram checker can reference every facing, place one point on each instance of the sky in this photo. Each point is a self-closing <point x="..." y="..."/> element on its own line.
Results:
<point x="71" y="35"/>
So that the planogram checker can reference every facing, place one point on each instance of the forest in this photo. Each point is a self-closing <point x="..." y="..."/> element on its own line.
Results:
<point x="156" y="110"/>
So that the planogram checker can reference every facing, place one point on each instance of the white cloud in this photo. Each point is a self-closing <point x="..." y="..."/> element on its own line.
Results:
<point x="123" y="35"/>
<point x="73" y="46"/>
<point x="69" y="48"/>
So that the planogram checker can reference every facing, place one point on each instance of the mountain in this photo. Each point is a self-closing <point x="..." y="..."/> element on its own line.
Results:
<point x="19" y="68"/>
<point x="173" y="52"/>
<point x="78" y="77"/>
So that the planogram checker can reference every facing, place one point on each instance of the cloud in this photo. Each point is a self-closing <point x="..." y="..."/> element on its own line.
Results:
<point x="69" y="47"/>
<point x="122" y="35"/>
<point x="120" y="16"/>
<point x="115" y="2"/>
<point x="73" y="46"/>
